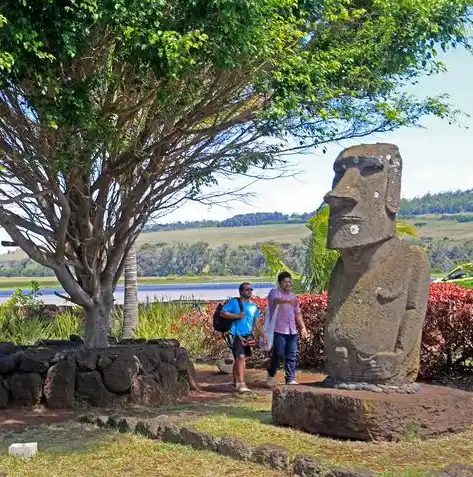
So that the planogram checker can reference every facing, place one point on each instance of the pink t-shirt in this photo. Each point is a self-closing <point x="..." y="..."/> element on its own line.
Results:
<point x="286" y="316"/>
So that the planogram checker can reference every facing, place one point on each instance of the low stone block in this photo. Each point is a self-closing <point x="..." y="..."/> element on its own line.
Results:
<point x="153" y="427"/>
<point x="197" y="439"/>
<point x="271" y="455"/>
<point x="25" y="450"/>
<point x="306" y="466"/>
<point x="172" y="434"/>
<point x="456" y="470"/>
<point x="127" y="424"/>
<point x="364" y="415"/>
<point x="234" y="448"/>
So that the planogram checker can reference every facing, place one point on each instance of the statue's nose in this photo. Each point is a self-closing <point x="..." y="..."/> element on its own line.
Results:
<point x="346" y="191"/>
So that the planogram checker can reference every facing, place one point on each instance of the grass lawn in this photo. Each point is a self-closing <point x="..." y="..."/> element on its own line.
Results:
<point x="250" y="419"/>
<point x="75" y="450"/>
<point x="280" y="233"/>
<point x="7" y="283"/>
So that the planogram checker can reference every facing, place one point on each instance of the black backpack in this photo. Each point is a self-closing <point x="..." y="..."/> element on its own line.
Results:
<point x="224" y="324"/>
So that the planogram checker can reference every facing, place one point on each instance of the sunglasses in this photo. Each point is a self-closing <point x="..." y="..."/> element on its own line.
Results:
<point x="247" y="289"/>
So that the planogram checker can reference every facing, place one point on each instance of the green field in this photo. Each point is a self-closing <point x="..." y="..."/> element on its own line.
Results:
<point x="281" y="233"/>
<point x="7" y="283"/>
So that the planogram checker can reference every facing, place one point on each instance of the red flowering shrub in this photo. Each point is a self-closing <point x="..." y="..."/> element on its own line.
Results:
<point x="447" y="343"/>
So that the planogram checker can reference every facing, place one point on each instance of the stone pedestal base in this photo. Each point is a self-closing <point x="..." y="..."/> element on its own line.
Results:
<point x="364" y="415"/>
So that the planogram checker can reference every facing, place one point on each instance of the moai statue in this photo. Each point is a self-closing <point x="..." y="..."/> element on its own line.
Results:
<point x="378" y="291"/>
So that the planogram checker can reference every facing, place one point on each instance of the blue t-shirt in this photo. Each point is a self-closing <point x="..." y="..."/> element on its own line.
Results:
<point x="242" y="326"/>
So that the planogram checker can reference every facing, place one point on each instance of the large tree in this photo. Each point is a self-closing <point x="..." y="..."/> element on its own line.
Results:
<point x="112" y="111"/>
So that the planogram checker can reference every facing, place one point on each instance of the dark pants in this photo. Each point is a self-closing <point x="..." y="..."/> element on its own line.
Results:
<point x="284" y="347"/>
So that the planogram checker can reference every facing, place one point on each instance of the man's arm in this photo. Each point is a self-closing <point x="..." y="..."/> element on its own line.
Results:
<point x="228" y="311"/>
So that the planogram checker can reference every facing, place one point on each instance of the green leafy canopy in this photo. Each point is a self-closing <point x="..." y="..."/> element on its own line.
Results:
<point x="312" y="69"/>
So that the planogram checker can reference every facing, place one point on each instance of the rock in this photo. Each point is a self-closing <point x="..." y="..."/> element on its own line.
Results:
<point x="76" y="339"/>
<point x="7" y="347"/>
<point x="153" y="427"/>
<point x="149" y="358"/>
<point x="191" y="377"/>
<point x="103" y="362"/>
<point x="165" y="343"/>
<point x="182" y="359"/>
<point x="9" y="363"/>
<point x="36" y="361"/>
<point x="168" y="377"/>
<point x="146" y="391"/>
<point x="197" y="439"/>
<point x="119" y="375"/>
<point x="52" y="343"/>
<point x="127" y="424"/>
<point x="234" y="448"/>
<point x="132" y="341"/>
<point x="3" y="395"/>
<point x="306" y="466"/>
<point x="167" y="355"/>
<point x="26" y="388"/>
<point x="86" y="360"/>
<point x="172" y="434"/>
<point x="272" y="455"/>
<point x="89" y="385"/>
<point x="349" y="473"/>
<point x="59" y="385"/>
<point x="456" y="470"/>
<point x="365" y="415"/>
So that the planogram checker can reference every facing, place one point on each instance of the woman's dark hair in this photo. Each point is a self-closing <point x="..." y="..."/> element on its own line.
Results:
<point x="283" y="275"/>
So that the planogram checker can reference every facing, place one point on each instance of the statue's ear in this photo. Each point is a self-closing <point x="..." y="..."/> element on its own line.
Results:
<point x="393" y="190"/>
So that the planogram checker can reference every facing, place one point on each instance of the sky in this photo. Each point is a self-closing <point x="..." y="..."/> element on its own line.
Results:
<point x="436" y="158"/>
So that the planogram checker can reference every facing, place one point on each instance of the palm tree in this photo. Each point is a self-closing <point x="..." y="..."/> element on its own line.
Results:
<point x="130" y="306"/>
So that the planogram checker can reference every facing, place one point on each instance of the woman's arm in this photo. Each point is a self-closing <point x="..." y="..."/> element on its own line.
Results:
<point x="299" y="320"/>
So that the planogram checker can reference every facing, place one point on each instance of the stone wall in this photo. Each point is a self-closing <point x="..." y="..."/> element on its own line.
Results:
<point x="61" y="374"/>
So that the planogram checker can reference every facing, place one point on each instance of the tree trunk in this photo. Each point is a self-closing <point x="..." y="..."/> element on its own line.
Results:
<point x="97" y="324"/>
<point x="130" y="321"/>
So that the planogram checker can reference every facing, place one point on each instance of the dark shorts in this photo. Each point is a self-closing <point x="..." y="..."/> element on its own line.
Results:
<point x="235" y="344"/>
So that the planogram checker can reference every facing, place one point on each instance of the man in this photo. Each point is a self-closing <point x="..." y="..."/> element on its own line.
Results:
<point x="378" y="291"/>
<point x="240" y="337"/>
<point x="288" y="319"/>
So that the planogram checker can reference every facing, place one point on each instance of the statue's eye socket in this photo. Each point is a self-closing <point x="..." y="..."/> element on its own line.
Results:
<point x="370" y="170"/>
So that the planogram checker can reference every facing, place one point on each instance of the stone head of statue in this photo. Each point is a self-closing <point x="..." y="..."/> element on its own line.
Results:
<point x="365" y="196"/>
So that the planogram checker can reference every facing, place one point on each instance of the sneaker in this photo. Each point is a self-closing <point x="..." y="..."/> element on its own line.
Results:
<point x="271" y="381"/>
<point x="292" y="383"/>
<point x="242" y="388"/>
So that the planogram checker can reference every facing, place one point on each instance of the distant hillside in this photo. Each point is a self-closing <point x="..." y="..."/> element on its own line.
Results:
<point x="457" y="202"/>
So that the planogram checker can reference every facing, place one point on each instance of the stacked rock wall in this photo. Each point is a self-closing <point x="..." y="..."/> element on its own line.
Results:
<point x="61" y="374"/>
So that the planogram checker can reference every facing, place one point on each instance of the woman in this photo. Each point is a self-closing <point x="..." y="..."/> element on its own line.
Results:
<point x="288" y="319"/>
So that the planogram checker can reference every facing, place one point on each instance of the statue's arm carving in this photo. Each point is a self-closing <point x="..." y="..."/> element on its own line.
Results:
<point x="416" y="306"/>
